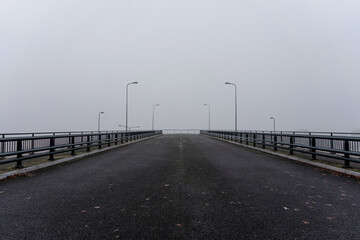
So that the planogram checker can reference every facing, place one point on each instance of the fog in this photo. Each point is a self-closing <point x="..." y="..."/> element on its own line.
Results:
<point x="63" y="62"/>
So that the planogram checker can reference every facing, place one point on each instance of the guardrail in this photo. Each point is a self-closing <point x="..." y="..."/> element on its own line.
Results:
<point x="345" y="148"/>
<point x="20" y="147"/>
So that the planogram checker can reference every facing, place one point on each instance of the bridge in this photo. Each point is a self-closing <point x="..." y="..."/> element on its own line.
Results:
<point x="149" y="185"/>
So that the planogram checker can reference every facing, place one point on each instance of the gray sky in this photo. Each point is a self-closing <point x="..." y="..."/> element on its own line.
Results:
<point x="62" y="62"/>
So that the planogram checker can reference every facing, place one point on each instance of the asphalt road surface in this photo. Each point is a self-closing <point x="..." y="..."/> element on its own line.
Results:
<point x="180" y="187"/>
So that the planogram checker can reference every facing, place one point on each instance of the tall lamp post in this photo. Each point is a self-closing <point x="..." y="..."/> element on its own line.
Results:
<point x="209" y="113"/>
<point x="127" y="102"/>
<point x="99" y="121"/>
<point x="153" y="115"/>
<point x="274" y="122"/>
<point x="229" y="83"/>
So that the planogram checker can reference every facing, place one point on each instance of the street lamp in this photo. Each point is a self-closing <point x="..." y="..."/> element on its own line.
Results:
<point x="99" y="121"/>
<point x="122" y="126"/>
<point x="128" y="127"/>
<point x="209" y="113"/>
<point x="153" y="115"/>
<point x="274" y="122"/>
<point x="229" y="83"/>
<point x="127" y="101"/>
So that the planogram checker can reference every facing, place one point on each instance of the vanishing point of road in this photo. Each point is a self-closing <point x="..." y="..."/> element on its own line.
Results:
<point x="180" y="187"/>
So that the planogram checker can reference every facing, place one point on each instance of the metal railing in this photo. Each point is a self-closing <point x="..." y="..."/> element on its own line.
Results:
<point x="329" y="145"/>
<point x="18" y="147"/>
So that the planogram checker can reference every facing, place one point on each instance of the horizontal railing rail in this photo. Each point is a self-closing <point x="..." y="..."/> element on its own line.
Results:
<point x="33" y="134"/>
<point x="335" y="146"/>
<point x="354" y="134"/>
<point x="20" y="147"/>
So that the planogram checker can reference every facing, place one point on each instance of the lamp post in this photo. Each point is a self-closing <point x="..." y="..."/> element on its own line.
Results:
<point x="153" y="115"/>
<point x="209" y="113"/>
<point x="229" y="83"/>
<point x="127" y="102"/>
<point x="99" y="121"/>
<point x="274" y="122"/>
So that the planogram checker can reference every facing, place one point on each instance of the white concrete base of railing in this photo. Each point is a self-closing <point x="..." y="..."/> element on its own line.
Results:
<point x="22" y="171"/>
<point x="294" y="158"/>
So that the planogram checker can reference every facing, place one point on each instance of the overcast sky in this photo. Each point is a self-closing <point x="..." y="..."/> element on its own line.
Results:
<point x="62" y="62"/>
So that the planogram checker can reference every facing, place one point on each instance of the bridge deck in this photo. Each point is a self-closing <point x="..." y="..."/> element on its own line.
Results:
<point x="180" y="187"/>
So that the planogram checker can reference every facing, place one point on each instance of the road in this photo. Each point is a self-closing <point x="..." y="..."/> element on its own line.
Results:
<point x="180" y="187"/>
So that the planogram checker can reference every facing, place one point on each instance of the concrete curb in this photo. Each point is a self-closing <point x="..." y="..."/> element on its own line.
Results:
<point x="63" y="160"/>
<point x="298" y="159"/>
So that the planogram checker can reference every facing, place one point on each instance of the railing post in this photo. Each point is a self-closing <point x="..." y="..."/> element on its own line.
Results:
<point x="32" y="143"/>
<point x="116" y="138"/>
<point x="121" y="138"/>
<point x="73" y="145"/>
<point x="19" y="155"/>
<point x="254" y="142"/>
<point x="275" y="142"/>
<point x="263" y="140"/>
<point x="99" y="141"/>
<point x="331" y="141"/>
<point x="52" y="144"/>
<point x="247" y="138"/>
<point x="346" y="155"/>
<point x="291" y="145"/>
<point x="88" y="143"/>
<point x="313" y="145"/>
<point x="109" y="141"/>
<point x="2" y="146"/>
<point x="126" y="137"/>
